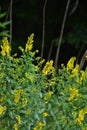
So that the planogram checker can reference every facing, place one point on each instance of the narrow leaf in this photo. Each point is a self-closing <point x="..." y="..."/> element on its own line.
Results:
<point x="2" y="15"/>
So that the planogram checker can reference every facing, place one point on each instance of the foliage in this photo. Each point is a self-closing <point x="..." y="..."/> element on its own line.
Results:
<point x="35" y="97"/>
<point x="3" y="31"/>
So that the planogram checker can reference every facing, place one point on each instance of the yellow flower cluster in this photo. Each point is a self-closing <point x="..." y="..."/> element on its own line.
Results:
<point x="21" y="80"/>
<point x="83" y="75"/>
<point x="18" y="119"/>
<point x="29" y="76"/>
<point x="2" y="109"/>
<point x="81" y="115"/>
<point x="51" y="82"/>
<point x="39" y="126"/>
<point x="74" y="93"/>
<point x="15" y="126"/>
<point x="2" y="98"/>
<point x="5" y="47"/>
<point x="48" y="67"/>
<point x="75" y="71"/>
<point x="70" y="64"/>
<point x="2" y="75"/>
<point x="45" y="114"/>
<point x="28" y="112"/>
<point x="29" y="44"/>
<point x="24" y="102"/>
<point x="48" y="96"/>
<point x="17" y="93"/>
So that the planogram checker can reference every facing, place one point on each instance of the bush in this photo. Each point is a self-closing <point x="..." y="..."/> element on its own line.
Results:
<point x="36" y="97"/>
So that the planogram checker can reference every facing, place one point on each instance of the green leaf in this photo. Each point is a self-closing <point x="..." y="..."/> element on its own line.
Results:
<point x="5" y="33"/>
<point x="1" y="25"/>
<point x="4" y="87"/>
<point x="2" y="15"/>
<point x="11" y="114"/>
<point x="9" y="101"/>
<point x="49" y="107"/>
<point x="4" y="24"/>
<point x="36" y="116"/>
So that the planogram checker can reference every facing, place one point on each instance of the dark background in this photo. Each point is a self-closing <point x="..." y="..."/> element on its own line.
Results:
<point x="27" y="19"/>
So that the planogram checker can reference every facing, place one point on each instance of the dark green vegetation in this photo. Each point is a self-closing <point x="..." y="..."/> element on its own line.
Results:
<point x="36" y="97"/>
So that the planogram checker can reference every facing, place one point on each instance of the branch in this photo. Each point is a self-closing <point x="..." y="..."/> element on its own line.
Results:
<point x="11" y="2"/>
<point x="50" y="51"/>
<point x="61" y="34"/>
<point x="82" y="62"/>
<point x="43" y="30"/>
<point x="75" y="7"/>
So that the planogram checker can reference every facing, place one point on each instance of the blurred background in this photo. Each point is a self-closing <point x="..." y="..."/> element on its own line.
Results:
<point x="27" y="18"/>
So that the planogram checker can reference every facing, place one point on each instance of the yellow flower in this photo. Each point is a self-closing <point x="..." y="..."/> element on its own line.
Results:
<point x="82" y="75"/>
<point x="85" y="57"/>
<point x="2" y="97"/>
<point x="40" y="124"/>
<point x="29" y="44"/>
<point x="70" y="64"/>
<point x="2" y="109"/>
<point x="51" y="81"/>
<point x="75" y="71"/>
<point x="48" y="67"/>
<point x="46" y="100"/>
<point x="15" y="126"/>
<point x="2" y="75"/>
<point x="45" y="114"/>
<point x="29" y="76"/>
<point x="81" y="115"/>
<point x="21" y="80"/>
<point x="24" y="102"/>
<point x="16" y="98"/>
<point x="18" y="119"/>
<point x="5" y="47"/>
<point x="28" y="112"/>
<point x="35" y="128"/>
<point x="17" y="94"/>
<point x="74" y="93"/>
<point x="49" y="94"/>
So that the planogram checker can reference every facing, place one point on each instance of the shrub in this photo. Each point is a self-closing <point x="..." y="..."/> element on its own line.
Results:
<point x="36" y="97"/>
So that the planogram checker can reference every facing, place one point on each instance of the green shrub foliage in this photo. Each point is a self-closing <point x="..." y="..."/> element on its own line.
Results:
<point x="3" y="27"/>
<point x="34" y="96"/>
